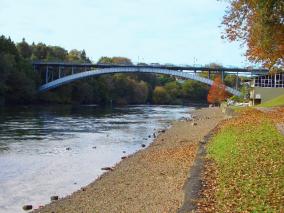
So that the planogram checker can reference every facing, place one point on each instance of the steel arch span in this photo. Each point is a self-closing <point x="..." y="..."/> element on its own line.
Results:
<point x="97" y="72"/>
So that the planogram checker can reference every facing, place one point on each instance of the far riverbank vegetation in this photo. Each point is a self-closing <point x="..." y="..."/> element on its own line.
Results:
<point x="17" y="77"/>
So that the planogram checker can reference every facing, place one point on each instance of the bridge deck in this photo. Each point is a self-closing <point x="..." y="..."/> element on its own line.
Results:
<point x="169" y="67"/>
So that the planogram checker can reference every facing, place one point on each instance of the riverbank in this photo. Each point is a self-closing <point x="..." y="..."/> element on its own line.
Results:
<point x="152" y="180"/>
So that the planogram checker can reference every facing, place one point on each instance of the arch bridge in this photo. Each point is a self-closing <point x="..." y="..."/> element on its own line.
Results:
<point x="57" y="74"/>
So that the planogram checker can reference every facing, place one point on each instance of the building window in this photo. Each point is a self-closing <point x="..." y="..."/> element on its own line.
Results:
<point x="270" y="81"/>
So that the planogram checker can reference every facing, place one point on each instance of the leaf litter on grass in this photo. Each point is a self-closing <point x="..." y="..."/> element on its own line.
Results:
<point x="244" y="169"/>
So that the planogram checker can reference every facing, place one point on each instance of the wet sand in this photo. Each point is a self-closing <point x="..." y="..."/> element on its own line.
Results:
<point x="151" y="180"/>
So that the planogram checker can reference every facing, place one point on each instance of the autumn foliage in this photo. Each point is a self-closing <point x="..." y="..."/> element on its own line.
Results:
<point x="217" y="92"/>
<point x="260" y="26"/>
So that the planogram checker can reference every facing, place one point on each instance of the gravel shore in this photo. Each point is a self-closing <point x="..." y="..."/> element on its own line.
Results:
<point x="151" y="180"/>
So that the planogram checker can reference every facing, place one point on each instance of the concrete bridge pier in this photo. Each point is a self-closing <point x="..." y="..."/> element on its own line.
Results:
<point x="237" y="81"/>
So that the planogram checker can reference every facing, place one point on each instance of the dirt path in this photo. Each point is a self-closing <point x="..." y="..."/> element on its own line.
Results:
<point x="152" y="180"/>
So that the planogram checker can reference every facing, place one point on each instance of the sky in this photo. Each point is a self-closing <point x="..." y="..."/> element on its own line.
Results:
<point x="150" y="31"/>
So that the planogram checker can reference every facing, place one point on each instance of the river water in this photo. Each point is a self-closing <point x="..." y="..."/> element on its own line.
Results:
<point x="49" y="151"/>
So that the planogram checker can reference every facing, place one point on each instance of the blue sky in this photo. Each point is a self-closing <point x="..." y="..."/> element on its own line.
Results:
<point x="164" y="31"/>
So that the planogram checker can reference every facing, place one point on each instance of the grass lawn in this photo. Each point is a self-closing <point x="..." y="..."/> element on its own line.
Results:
<point x="279" y="101"/>
<point x="248" y="152"/>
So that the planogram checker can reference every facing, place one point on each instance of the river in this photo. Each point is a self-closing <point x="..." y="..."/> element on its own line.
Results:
<point x="47" y="151"/>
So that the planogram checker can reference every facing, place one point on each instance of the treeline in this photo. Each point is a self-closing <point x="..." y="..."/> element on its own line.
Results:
<point x="19" y="82"/>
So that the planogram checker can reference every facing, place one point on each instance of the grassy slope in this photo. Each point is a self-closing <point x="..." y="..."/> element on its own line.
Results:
<point x="249" y="154"/>
<point x="279" y="101"/>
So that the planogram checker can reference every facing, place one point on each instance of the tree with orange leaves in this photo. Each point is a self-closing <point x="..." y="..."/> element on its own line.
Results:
<point x="217" y="92"/>
<point x="258" y="24"/>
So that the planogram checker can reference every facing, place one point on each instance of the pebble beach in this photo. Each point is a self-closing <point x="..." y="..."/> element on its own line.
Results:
<point x="151" y="180"/>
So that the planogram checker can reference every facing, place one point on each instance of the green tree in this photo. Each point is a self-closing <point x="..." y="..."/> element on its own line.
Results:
<point x="17" y="81"/>
<point x="230" y="80"/>
<point x="56" y="53"/>
<point x="39" y="51"/>
<point x="82" y="93"/>
<point x="24" y="49"/>
<point x="161" y="96"/>
<point x="174" y="89"/>
<point x="164" y="79"/>
<point x="115" y="60"/>
<point x="74" y="55"/>
<point x="21" y="87"/>
<point x="194" y="91"/>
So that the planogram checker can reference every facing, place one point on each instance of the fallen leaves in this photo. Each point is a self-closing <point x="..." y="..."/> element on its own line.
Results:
<point x="245" y="169"/>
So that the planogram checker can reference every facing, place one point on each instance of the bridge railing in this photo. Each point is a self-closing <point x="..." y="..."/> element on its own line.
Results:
<point x="152" y="65"/>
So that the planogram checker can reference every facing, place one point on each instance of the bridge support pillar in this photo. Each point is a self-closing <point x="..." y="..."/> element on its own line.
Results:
<point x="59" y="72"/>
<point x="237" y="81"/>
<point x="46" y="74"/>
